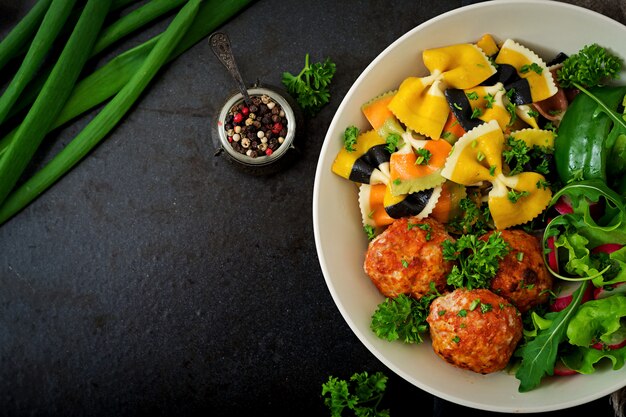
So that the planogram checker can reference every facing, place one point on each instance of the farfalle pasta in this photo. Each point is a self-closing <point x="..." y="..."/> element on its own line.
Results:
<point x="477" y="157"/>
<point x="420" y="102"/>
<point x="449" y="133"/>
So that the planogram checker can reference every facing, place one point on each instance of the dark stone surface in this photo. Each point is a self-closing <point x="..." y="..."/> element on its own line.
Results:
<point x="157" y="279"/>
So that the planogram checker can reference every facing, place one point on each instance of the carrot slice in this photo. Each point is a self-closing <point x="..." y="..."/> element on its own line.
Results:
<point x="376" y="111"/>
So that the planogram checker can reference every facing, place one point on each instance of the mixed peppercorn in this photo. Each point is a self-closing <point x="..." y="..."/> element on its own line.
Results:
<point x="258" y="129"/>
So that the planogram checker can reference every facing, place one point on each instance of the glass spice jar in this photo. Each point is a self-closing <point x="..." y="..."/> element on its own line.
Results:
<point x="258" y="134"/>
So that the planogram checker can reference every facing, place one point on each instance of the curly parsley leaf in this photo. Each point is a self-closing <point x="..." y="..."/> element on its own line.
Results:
<point x="311" y="86"/>
<point x="362" y="394"/>
<point x="475" y="219"/>
<point x="403" y="317"/>
<point x="589" y="67"/>
<point x="394" y="141"/>
<point x="478" y="260"/>
<point x="350" y="136"/>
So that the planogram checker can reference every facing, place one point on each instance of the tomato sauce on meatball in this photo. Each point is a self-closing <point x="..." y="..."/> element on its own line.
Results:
<point x="474" y="329"/>
<point x="522" y="276"/>
<point x="407" y="257"/>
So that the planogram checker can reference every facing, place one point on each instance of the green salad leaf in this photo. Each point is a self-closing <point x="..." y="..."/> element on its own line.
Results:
<point x="538" y="355"/>
<point x="597" y="320"/>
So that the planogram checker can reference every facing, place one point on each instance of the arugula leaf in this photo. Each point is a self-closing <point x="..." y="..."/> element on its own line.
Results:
<point x="478" y="259"/>
<point x="403" y="317"/>
<point x="311" y="86"/>
<point x="539" y="354"/>
<point x="362" y="394"/>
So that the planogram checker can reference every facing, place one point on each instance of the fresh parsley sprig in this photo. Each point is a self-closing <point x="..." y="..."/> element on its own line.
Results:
<point x="311" y="86"/>
<point x="478" y="259"/>
<point x="350" y="136"/>
<point x="362" y="394"/>
<point x="403" y="317"/>
<point x="590" y="67"/>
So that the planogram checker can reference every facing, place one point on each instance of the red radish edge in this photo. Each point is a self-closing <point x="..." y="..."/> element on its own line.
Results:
<point x="564" y="298"/>
<point x="561" y="370"/>
<point x="553" y="260"/>
<point x="563" y="206"/>
<point x="607" y="248"/>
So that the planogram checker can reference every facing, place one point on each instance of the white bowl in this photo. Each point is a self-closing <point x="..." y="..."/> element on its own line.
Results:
<point x="546" y="27"/>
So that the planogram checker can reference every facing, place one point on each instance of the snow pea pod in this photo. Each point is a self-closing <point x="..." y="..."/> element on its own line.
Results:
<point x="587" y="136"/>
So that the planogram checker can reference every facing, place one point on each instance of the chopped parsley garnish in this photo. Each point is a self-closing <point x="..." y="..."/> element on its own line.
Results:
<point x="349" y="138"/>
<point x="370" y="231"/>
<point x="456" y="339"/>
<point x="531" y="67"/>
<point x="473" y="95"/>
<point x="394" y="141"/>
<point x="485" y="307"/>
<point x="423" y="156"/>
<point x="475" y="219"/>
<point x="478" y="259"/>
<point x="490" y="100"/>
<point x="510" y="107"/>
<point x="514" y="196"/>
<point x="476" y="113"/>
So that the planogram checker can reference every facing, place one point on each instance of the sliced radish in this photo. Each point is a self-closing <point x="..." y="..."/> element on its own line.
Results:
<point x="607" y="248"/>
<point x="618" y="340"/>
<point x="553" y="259"/>
<point x="609" y="290"/>
<point x="563" y="205"/>
<point x="565" y="294"/>
<point x="562" y="370"/>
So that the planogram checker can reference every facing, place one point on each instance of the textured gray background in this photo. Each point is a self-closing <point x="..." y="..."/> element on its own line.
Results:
<point x="157" y="279"/>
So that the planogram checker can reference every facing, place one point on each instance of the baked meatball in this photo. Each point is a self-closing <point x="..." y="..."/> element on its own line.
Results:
<point x="407" y="256"/>
<point x="522" y="276"/>
<point x="474" y="329"/>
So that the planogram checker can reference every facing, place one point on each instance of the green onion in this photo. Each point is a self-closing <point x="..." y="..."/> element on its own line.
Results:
<point x="110" y="78"/>
<point x="53" y="95"/>
<point x="51" y="25"/>
<point x="133" y="21"/>
<point x="107" y="119"/>
<point x="13" y="44"/>
<point x="117" y="30"/>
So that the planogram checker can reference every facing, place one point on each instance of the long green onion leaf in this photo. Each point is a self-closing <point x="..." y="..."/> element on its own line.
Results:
<point x="13" y="44"/>
<point x="51" y="25"/>
<point x="108" y="117"/>
<point x="109" y="35"/>
<point x="103" y="83"/>
<point x="133" y="21"/>
<point x="53" y="95"/>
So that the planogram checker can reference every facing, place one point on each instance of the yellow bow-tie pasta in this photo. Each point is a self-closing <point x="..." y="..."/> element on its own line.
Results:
<point x="462" y="66"/>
